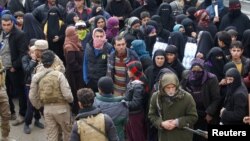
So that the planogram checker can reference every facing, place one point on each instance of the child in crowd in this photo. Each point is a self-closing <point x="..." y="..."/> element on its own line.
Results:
<point x="29" y="62"/>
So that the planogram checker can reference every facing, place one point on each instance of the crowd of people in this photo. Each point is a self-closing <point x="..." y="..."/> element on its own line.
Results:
<point x="135" y="70"/>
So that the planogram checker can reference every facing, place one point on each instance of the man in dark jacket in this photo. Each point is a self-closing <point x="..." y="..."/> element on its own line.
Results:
<point x="90" y="122"/>
<point x="25" y="6"/>
<point x="112" y="105"/>
<point x="13" y="47"/>
<point x="96" y="59"/>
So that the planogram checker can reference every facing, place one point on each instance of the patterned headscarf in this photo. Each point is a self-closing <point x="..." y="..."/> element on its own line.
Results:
<point x="202" y="17"/>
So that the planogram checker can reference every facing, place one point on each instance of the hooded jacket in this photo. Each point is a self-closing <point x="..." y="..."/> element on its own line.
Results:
<point x="181" y="107"/>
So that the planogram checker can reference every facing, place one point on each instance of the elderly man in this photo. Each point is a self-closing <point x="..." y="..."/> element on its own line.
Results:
<point x="171" y="109"/>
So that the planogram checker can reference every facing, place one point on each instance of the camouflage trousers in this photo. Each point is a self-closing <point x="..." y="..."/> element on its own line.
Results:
<point x="5" y="114"/>
<point x="58" y="121"/>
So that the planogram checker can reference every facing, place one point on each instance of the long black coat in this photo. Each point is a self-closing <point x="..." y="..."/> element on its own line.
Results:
<point x="16" y="5"/>
<point x="18" y="45"/>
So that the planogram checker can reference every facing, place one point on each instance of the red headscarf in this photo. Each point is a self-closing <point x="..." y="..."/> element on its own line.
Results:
<point x="72" y="43"/>
<point x="202" y="17"/>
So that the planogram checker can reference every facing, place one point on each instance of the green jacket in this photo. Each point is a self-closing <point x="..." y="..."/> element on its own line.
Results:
<point x="181" y="107"/>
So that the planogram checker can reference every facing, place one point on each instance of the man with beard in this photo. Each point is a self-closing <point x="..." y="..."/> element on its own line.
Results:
<point x="204" y="88"/>
<point x="171" y="109"/>
<point x="235" y="18"/>
<point x="236" y="103"/>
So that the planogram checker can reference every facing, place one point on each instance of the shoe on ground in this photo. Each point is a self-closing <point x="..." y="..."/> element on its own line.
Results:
<point x="26" y="129"/>
<point x="18" y="121"/>
<point x="13" y="116"/>
<point x="39" y="124"/>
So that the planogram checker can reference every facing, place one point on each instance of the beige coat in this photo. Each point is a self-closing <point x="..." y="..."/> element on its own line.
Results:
<point x="64" y="85"/>
<point x="57" y="65"/>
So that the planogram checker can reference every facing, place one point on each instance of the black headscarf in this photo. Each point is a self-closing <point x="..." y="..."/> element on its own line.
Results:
<point x="237" y="82"/>
<point x="246" y="43"/>
<point x="165" y="13"/>
<point x="32" y="27"/>
<point x="180" y="18"/>
<point x="205" y="43"/>
<point x="158" y="52"/>
<point x="161" y="32"/>
<point x="53" y="23"/>
<point x="215" y="65"/>
<point x="234" y="9"/>
<point x="177" y="39"/>
<point x="191" y="10"/>
<point x="150" y="40"/>
<point x="70" y="19"/>
<point x="189" y="26"/>
<point x="157" y="19"/>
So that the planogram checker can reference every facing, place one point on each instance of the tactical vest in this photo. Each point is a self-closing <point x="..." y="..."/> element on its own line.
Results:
<point x="88" y="133"/>
<point x="49" y="89"/>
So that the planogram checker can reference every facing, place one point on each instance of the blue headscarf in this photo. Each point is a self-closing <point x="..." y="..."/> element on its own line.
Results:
<point x="177" y="27"/>
<point x="139" y="47"/>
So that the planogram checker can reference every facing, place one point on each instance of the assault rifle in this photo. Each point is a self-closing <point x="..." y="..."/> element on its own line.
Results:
<point x="197" y="132"/>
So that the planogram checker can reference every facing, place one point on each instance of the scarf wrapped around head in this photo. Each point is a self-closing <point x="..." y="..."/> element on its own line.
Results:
<point x="234" y="8"/>
<point x="72" y="42"/>
<point x="234" y="5"/>
<point x="195" y="77"/>
<point x="111" y="30"/>
<point x="135" y="67"/>
<point x="202" y="17"/>
<point x="98" y="42"/>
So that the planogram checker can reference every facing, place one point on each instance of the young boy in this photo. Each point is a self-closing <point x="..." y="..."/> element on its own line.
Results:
<point x="144" y="17"/>
<point x="90" y="122"/>
<point x="233" y="33"/>
<point x="224" y="41"/>
<point x="112" y="105"/>
<point x="242" y="63"/>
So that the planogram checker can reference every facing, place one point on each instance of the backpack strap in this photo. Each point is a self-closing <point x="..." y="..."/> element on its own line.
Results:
<point x="43" y="76"/>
